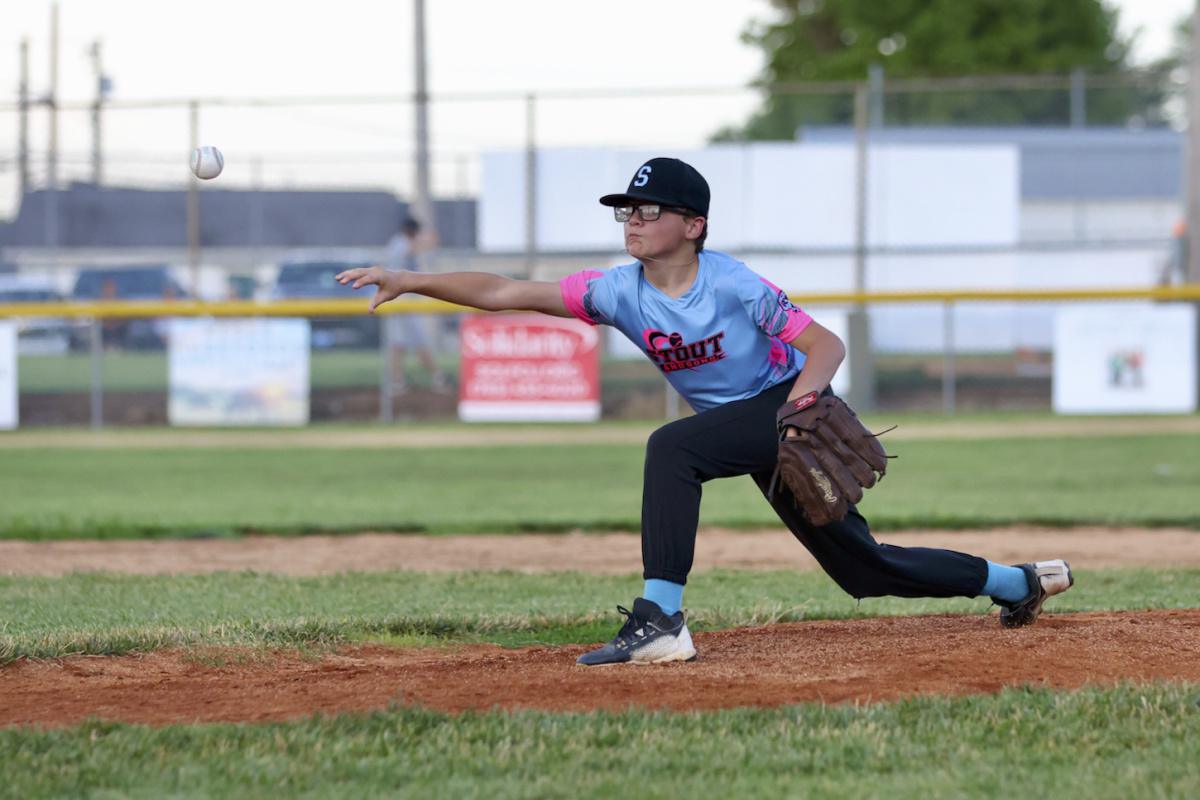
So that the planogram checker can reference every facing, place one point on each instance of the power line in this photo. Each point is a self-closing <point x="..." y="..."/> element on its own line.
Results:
<point x="1063" y="82"/>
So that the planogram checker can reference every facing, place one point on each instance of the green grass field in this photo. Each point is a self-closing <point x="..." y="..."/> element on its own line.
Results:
<point x="131" y="371"/>
<point x="104" y="614"/>
<point x="1126" y="742"/>
<point x="1120" y="743"/>
<point x="126" y="371"/>
<point x="88" y="492"/>
<point x="147" y="371"/>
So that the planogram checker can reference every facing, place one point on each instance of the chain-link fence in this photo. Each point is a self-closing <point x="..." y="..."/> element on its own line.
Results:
<point x="1086" y="171"/>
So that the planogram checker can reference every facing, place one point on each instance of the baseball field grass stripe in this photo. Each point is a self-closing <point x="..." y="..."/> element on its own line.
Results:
<point x="1127" y="480"/>
<point x="113" y="614"/>
<point x="132" y="372"/>
<point x="1128" y="742"/>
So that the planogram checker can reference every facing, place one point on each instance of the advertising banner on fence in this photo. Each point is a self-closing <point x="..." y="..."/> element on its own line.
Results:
<point x="529" y="368"/>
<point x="1125" y="359"/>
<point x="238" y="371"/>
<point x="8" y="374"/>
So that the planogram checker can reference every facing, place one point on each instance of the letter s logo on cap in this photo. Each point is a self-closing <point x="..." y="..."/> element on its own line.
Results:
<point x="643" y="175"/>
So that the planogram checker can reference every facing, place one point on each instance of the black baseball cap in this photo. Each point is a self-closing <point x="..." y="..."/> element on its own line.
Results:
<point x="668" y="182"/>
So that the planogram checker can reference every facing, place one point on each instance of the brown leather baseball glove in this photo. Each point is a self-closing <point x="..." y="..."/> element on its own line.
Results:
<point x="826" y="456"/>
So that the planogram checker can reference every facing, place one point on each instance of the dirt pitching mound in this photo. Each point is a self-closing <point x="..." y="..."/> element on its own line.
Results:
<point x="866" y="660"/>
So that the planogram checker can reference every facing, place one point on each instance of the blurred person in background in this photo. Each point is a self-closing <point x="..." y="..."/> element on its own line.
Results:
<point x="1175" y="265"/>
<point x="404" y="331"/>
<point x="112" y="329"/>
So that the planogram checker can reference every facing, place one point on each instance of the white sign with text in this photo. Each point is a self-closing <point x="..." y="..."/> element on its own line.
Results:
<point x="238" y="371"/>
<point x="8" y="374"/>
<point x="528" y="368"/>
<point x="1124" y="358"/>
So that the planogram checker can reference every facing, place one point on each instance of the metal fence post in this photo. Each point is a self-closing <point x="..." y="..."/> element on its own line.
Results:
<point x="670" y="401"/>
<point x="949" y="378"/>
<point x="858" y="344"/>
<point x="96" y="350"/>
<point x="1078" y="103"/>
<point x="387" y="377"/>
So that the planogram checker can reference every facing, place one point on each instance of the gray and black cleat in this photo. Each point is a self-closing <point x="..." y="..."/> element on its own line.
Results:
<point x="648" y="637"/>
<point x="1046" y="579"/>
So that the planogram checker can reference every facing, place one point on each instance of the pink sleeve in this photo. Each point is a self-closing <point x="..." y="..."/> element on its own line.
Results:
<point x="797" y="321"/>
<point x="794" y="320"/>
<point x="573" y="288"/>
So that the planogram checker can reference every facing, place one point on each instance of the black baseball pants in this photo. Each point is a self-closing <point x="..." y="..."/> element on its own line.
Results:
<point x="739" y="438"/>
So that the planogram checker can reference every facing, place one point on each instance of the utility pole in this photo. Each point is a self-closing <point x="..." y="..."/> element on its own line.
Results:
<point x="1192" y="190"/>
<point x="97" y="105"/>
<point x="862" y="368"/>
<point x="193" y="203"/>
<point x="51" y="221"/>
<point x="23" y="120"/>
<point x="531" y="245"/>
<point x="875" y="90"/>
<point x="1192" y="174"/>
<point x="422" y="201"/>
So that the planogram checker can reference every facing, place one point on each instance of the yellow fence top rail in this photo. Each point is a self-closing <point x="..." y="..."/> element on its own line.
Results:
<point x="358" y="306"/>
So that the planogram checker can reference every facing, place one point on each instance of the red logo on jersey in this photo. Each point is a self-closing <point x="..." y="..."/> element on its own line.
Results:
<point x="671" y="353"/>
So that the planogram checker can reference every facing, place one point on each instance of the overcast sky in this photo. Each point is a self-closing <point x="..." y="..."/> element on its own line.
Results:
<point x="272" y="48"/>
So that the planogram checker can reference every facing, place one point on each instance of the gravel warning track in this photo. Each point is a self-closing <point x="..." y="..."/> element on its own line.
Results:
<point x="600" y="553"/>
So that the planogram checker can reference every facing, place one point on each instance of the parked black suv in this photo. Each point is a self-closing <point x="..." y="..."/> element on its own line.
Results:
<point x="38" y="334"/>
<point x="150" y="282"/>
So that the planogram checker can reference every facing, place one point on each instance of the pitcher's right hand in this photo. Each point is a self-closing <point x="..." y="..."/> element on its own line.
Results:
<point x="391" y="284"/>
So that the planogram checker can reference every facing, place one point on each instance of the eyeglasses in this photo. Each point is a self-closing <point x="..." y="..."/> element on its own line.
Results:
<point x="647" y="213"/>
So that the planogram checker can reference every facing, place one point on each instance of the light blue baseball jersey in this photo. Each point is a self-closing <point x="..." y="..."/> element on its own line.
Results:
<point x="724" y="339"/>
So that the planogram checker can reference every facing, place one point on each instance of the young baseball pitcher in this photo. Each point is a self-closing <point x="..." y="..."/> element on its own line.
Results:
<point x="756" y="369"/>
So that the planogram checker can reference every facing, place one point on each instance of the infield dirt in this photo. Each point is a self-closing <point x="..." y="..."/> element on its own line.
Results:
<point x="864" y="660"/>
<point x="516" y="435"/>
<point x="604" y="553"/>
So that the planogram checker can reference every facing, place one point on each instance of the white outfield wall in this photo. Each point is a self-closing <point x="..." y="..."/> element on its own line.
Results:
<point x="767" y="195"/>
<point x="789" y="196"/>
<point x="979" y="327"/>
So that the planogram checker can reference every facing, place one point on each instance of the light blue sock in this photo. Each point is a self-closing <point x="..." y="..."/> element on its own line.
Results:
<point x="1006" y="583"/>
<point x="669" y="596"/>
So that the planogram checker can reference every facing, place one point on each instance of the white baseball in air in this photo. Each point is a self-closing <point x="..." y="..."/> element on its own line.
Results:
<point x="207" y="162"/>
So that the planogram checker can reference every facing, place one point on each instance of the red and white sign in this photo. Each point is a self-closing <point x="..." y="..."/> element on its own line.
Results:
<point x="529" y="368"/>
